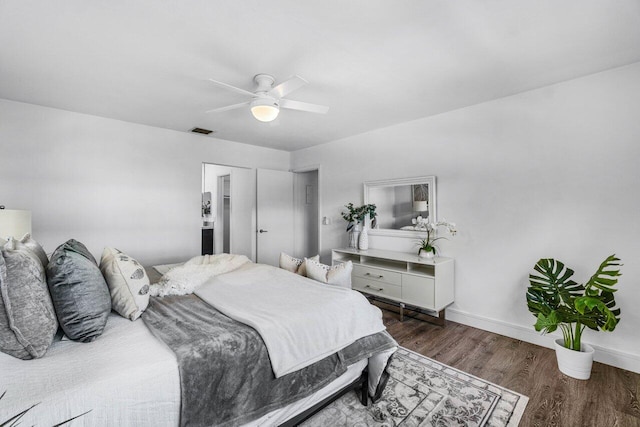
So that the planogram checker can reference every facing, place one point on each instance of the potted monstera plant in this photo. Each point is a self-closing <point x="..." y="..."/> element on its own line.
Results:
<point x="557" y="301"/>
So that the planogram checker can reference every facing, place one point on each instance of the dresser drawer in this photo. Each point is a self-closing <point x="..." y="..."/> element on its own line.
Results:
<point x="377" y="288"/>
<point x="377" y="274"/>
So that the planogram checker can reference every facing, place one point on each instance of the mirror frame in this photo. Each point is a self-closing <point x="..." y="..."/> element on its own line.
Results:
<point x="429" y="180"/>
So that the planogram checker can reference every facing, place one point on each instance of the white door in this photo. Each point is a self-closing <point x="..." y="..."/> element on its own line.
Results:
<point x="243" y="201"/>
<point x="275" y="215"/>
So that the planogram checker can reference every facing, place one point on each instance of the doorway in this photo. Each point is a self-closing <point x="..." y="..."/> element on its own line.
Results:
<point x="232" y="193"/>
<point x="224" y="201"/>
<point x="306" y="201"/>
<point x="241" y="200"/>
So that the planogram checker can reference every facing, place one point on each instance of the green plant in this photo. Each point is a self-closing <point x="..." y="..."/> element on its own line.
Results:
<point x="427" y="244"/>
<point x="559" y="302"/>
<point x="370" y="210"/>
<point x="351" y="215"/>
<point x="354" y="215"/>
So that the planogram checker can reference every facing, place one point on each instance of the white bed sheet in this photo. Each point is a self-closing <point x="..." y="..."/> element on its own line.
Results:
<point x="126" y="378"/>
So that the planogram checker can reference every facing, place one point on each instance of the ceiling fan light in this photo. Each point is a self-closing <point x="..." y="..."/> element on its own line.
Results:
<point x="265" y="110"/>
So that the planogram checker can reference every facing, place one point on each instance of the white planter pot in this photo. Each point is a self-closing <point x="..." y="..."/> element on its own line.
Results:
<point x="354" y="235"/>
<point x="425" y="254"/>
<point x="353" y="239"/>
<point x="576" y="364"/>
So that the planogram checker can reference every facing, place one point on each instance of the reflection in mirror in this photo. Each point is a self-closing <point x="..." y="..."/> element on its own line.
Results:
<point x="402" y="204"/>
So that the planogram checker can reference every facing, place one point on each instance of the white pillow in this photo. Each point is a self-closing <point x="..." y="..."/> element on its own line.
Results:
<point x="339" y="274"/>
<point x="295" y="265"/>
<point x="128" y="283"/>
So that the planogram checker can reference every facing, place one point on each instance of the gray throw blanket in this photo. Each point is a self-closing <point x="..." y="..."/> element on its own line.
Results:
<point x="225" y="374"/>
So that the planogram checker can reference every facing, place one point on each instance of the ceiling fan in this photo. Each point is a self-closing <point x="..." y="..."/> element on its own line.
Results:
<point x="267" y="100"/>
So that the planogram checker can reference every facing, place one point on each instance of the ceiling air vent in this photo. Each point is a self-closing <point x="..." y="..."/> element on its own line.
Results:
<point x="202" y="131"/>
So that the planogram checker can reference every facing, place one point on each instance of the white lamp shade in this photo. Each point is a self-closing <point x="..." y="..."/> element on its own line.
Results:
<point x="14" y="223"/>
<point x="265" y="109"/>
<point x="420" y="206"/>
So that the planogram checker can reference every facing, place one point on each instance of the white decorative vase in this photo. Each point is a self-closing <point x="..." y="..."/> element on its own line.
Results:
<point x="576" y="364"/>
<point x="354" y="234"/>
<point x="363" y="240"/>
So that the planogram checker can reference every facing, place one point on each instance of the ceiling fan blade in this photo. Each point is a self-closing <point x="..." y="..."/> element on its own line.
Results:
<point x="288" y="86"/>
<point x="232" y="88"/>
<point x="303" y="106"/>
<point x="228" y="107"/>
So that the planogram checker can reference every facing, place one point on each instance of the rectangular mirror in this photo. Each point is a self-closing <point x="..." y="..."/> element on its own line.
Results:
<point x="399" y="202"/>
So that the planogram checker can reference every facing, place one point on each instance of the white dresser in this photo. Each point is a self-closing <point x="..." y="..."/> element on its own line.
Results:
<point x="401" y="276"/>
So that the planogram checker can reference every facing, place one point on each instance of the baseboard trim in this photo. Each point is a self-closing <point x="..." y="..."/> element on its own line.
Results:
<point x="619" y="359"/>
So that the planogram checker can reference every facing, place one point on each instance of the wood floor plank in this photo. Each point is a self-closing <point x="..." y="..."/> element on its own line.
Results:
<point x="609" y="398"/>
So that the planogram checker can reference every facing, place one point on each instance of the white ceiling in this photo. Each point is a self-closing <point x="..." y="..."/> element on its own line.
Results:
<point x="375" y="63"/>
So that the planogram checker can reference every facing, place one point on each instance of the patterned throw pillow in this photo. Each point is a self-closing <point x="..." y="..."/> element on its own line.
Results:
<point x="28" y="321"/>
<point x="78" y="291"/>
<point x="128" y="283"/>
<point x="295" y="265"/>
<point x="339" y="274"/>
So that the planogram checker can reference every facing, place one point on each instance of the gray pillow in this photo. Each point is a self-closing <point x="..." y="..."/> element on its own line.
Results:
<point x="35" y="247"/>
<point x="27" y="319"/>
<point x="79" y="293"/>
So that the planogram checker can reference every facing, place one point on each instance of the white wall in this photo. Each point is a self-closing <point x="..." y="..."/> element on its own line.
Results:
<point x="111" y="183"/>
<point x="552" y="172"/>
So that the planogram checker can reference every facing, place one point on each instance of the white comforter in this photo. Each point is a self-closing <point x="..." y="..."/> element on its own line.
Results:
<point x="300" y="320"/>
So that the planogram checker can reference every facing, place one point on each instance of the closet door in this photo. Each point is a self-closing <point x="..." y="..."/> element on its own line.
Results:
<point x="275" y="215"/>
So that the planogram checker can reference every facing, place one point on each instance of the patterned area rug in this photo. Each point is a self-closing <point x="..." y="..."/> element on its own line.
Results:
<point x="423" y="392"/>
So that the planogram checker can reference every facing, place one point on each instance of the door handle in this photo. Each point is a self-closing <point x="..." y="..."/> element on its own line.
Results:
<point x="262" y="231"/>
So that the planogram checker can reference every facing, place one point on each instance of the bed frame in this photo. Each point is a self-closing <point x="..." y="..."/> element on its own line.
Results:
<point x="360" y="385"/>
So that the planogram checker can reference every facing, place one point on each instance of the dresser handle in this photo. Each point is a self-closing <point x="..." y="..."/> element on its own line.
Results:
<point x="375" y="289"/>
<point x="372" y="275"/>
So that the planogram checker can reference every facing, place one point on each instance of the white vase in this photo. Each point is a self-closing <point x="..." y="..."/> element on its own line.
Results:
<point x="363" y="239"/>
<point x="354" y="234"/>
<point x="576" y="364"/>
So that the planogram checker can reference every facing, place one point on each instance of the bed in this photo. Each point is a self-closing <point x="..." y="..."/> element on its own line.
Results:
<point x="137" y="373"/>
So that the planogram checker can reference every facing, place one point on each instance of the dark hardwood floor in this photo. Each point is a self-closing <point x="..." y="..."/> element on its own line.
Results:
<point x="609" y="398"/>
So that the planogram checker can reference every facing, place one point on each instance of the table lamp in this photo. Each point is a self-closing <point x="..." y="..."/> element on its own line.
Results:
<point x="14" y="223"/>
